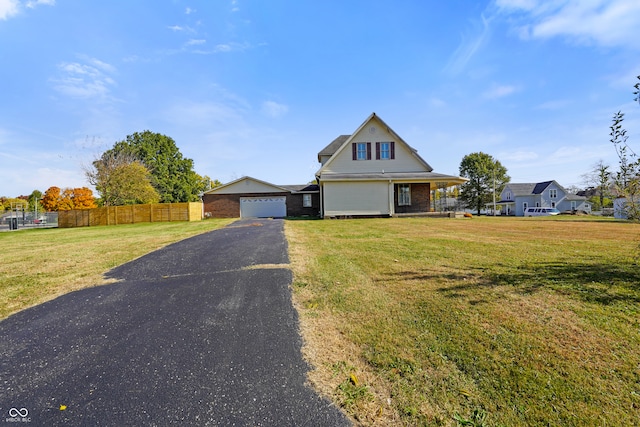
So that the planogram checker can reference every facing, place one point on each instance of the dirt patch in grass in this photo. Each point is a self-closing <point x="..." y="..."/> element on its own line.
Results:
<point x="531" y="322"/>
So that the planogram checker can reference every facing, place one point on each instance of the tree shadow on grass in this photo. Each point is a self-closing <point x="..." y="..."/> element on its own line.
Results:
<point x="595" y="283"/>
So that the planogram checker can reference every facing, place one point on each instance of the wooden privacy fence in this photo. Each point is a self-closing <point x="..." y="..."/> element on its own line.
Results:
<point x="130" y="214"/>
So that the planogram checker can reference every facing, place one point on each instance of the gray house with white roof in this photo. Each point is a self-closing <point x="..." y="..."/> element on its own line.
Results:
<point x="517" y="197"/>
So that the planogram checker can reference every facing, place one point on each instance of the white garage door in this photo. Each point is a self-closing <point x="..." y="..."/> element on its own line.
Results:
<point x="263" y="207"/>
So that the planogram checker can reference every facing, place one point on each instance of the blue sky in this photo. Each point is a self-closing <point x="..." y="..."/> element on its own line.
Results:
<point x="256" y="87"/>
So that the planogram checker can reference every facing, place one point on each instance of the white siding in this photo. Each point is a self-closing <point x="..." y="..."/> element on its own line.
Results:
<point x="374" y="132"/>
<point x="356" y="198"/>
<point x="248" y="185"/>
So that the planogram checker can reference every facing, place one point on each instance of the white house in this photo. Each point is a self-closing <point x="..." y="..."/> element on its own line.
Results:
<point x="374" y="172"/>
<point x="515" y="198"/>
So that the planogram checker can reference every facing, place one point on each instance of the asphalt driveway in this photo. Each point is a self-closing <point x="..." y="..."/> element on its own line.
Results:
<point x="201" y="332"/>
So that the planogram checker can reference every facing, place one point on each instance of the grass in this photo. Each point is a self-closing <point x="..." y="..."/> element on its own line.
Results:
<point x="38" y="265"/>
<point x="483" y="321"/>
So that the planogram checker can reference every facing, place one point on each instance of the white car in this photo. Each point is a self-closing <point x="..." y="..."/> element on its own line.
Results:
<point x="541" y="211"/>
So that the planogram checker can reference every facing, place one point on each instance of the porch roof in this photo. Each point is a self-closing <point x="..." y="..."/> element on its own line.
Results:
<point x="400" y="177"/>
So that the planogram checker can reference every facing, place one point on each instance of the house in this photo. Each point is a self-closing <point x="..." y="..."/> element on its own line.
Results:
<point x="372" y="172"/>
<point x="250" y="197"/>
<point x="516" y="198"/>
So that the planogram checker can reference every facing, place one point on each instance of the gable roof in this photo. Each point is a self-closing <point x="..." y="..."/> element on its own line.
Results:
<point x="222" y="189"/>
<point x="540" y="187"/>
<point x="521" y="189"/>
<point x="529" y="189"/>
<point x="345" y="140"/>
<point x="333" y="146"/>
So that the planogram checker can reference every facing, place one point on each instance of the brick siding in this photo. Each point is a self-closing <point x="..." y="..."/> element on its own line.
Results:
<point x="228" y="205"/>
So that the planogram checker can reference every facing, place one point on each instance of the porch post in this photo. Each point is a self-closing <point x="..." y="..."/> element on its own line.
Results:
<point x="391" y="199"/>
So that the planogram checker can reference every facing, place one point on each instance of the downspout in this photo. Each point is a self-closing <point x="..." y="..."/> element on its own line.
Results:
<point x="390" y="197"/>
<point x="321" y="188"/>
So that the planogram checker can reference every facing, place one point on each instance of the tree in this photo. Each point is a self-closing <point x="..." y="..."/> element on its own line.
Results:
<point x="83" y="198"/>
<point x="627" y="178"/>
<point x="34" y="200"/>
<point x="121" y="179"/>
<point x="50" y="199"/>
<point x="485" y="175"/>
<point x="172" y="174"/>
<point x="68" y="199"/>
<point x="599" y="177"/>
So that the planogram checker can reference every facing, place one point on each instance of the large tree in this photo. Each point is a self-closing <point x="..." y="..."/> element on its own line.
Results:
<point x="121" y="179"/>
<point x="172" y="174"/>
<point x="55" y="199"/>
<point x="485" y="175"/>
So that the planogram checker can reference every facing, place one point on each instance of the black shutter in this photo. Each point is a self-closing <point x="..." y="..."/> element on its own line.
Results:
<point x="368" y="151"/>
<point x="377" y="151"/>
<point x="354" y="150"/>
<point x="392" y="148"/>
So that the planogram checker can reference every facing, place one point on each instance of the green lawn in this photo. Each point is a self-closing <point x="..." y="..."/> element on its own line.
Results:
<point x="38" y="265"/>
<point x="421" y="321"/>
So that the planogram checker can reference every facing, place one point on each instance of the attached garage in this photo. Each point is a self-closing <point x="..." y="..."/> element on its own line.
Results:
<point x="251" y="198"/>
<point x="263" y="207"/>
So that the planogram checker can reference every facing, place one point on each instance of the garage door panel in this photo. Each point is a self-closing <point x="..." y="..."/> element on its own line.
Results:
<point x="263" y="207"/>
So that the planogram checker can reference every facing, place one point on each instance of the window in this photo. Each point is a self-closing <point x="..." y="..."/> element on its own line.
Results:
<point x="385" y="150"/>
<point x="404" y="194"/>
<point x="306" y="201"/>
<point x="507" y="195"/>
<point x="553" y="204"/>
<point x="574" y="205"/>
<point x="525" y="205"/>
<point x="553" y="193"/>
<point x="361" y="150"/>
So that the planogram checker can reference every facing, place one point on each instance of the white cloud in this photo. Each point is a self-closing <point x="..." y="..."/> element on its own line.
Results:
<point x="189" y="11"/>
<point x="33" y="3"/>
<point x="194" y="42"/>
<point x="518" y="156"/>
<point x="273" y="109"/>
<point x="499" y="91"/>
<point x="600" y="22"/>
<point x="468" y="47"/>
<point x="79" y="80"/>
<point x="9" y="8"/>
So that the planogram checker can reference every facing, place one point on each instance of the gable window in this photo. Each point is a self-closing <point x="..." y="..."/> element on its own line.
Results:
<point x="404" y="194"/>
<point x="508" y="195"/>
<point x="361" y="150"/>
<point x="385" y="150"/>
<point x="306" y="201"/>
<point x="553" y="193"/>
<point x="574" y="205"/>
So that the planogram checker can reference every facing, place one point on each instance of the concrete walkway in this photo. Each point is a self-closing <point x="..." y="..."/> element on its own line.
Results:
<point x="201" y="333"/>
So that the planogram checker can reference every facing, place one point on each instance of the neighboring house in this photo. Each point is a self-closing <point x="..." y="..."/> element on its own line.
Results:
<point x="619" y="208"/>
<point x="372" y="172"/>
<point x="249" y="197"/>
<point x="516" y="198"/>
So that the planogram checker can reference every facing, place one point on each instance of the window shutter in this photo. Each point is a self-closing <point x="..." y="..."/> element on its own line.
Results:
<point x="392" y="148"/>
<point x="354" y="150"/>
<point x="377" y="151"/>
<point x="368" y="151"/>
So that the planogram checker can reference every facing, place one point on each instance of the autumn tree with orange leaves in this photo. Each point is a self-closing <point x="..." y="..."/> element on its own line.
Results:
<point x="55" y="199"/>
